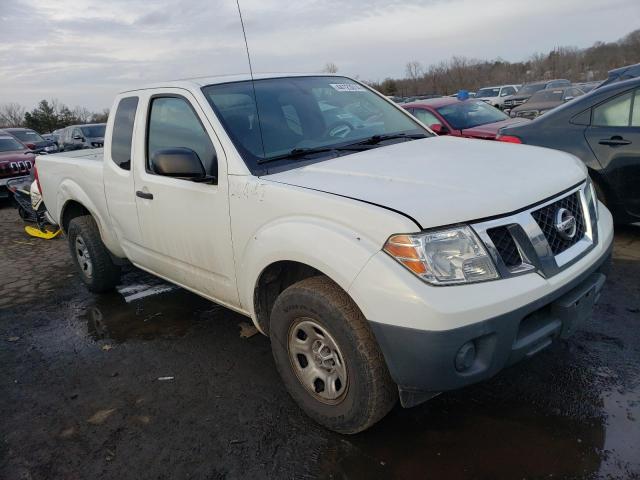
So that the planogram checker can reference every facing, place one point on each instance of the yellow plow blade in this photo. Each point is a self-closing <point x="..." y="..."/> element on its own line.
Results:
<point x="47" y="235"/>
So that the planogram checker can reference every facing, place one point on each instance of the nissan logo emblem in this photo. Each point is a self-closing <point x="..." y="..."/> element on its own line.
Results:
<point x="565" y="224"/>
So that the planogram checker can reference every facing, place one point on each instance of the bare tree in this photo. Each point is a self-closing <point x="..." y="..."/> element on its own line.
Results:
<point x="414" y="70"/>
<point x="330" y="67"/>
<point x="82" y="114"/>
<point x="12" y="115"/>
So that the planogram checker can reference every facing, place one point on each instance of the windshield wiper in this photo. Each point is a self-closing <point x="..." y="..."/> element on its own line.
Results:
<point x="375" y="139"/>
<point x="298" y="153"/>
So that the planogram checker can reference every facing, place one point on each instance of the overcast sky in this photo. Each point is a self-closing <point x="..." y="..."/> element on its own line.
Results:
<point x="82" y="52"/>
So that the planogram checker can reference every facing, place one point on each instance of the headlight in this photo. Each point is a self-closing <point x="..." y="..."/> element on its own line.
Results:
<point x="443" y="257"/>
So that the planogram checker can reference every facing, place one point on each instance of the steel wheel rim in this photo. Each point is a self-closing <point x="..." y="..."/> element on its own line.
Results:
<point x="83" y="257"/>
<point x="317" y="361"/>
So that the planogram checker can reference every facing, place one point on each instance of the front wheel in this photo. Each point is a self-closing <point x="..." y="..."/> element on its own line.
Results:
<point x="97" y="270"/>
<point x="328" y="358"/>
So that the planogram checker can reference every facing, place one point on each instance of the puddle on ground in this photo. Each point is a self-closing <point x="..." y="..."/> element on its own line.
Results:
<point x="460" y="439"/>
<point x="166" y="314"/>
<point x="472" y="444"/>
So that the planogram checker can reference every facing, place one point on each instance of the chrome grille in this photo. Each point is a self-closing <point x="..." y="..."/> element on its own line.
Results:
<point x="506" y="246"/>
<point x="546" y="219"/>
<point x="528" y="240"/>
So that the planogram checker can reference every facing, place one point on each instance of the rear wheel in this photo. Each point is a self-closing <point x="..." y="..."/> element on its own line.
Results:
<point x="91" y="257"/>
<point x="328" y="358"/>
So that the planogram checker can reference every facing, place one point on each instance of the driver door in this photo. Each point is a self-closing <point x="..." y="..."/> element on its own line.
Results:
<point x="185" y="225"/>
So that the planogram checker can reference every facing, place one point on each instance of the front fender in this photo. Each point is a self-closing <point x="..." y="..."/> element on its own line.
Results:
<point x="333" y="249"/>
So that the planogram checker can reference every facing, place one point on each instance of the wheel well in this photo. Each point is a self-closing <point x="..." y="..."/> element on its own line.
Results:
<point x="602" y="184"/>
<point x="71" y="210"/>
<point x="272" y="282"/>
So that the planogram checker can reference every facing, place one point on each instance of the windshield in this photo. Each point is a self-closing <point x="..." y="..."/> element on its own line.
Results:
<point x="8" y="144"/>
<point x="93" y="131"/>
<point x="530" y="89"/>
<point x="27" y="136"/>
<point x="547" y="96"/>
<point x="470" y="114"/>
<point x="303" y="113"/>
<point x="488" y="92"/>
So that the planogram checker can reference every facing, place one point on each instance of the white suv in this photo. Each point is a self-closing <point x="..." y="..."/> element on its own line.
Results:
<point x="495" y="95"/>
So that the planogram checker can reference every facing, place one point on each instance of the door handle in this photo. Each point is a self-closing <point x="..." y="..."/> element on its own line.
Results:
<point x="145" y="195"/>
<point x="614" y="141"/>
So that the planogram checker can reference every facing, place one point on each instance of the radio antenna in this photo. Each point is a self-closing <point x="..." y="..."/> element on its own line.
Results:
<point x="253" y="86"/>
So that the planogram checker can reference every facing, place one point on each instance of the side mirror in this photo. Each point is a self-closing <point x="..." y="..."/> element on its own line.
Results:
<point x="439" y="129"/>
<point x="177" y="162"/>
<point x="78" y="137"/>
<point x="566" y="99"/>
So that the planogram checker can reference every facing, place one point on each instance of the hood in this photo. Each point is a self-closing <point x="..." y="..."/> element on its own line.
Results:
<point x="443" y="180"/>
<point x="16" y="156"/>
<point x="518" y="97"/>
<point x="536" y="106"/>
<point x="490" y="130"/>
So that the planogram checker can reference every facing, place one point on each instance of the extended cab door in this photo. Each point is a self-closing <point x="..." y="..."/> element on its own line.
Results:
<point x="614" y="137"/>
<point x="186" y="229"/>
<point x="118" y="177"/>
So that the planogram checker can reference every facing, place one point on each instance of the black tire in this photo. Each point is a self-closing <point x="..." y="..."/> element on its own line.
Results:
<point x="103" y="275"/>
<point x="369" y="393"/>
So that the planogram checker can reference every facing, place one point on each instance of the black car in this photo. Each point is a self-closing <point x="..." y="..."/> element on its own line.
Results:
<point x="32" y="139"/>
<point x="602" y="128"/>
<point x="528" y="89"/>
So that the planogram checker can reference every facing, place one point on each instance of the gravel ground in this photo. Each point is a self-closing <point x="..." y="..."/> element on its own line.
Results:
<point x="165" y="386"/>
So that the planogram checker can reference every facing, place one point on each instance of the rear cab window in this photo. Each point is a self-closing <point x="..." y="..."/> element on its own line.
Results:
<point x="122" y="135"/>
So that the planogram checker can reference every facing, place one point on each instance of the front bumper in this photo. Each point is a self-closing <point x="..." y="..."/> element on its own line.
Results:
<point x="424" y="363"/>
<point x="421" y="329"/>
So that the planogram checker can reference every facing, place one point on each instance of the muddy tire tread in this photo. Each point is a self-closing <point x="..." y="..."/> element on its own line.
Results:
<point x="106" y="274"/>
<point x="382" y="391"/>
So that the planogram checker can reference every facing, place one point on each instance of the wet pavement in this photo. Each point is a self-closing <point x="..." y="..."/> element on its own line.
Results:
<point x="154" y="382"/>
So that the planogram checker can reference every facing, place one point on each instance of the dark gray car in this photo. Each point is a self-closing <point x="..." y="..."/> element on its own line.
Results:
<point x="77" y="137"/>
<point x="544" y="100"/>
<point x="602" y="128"/>
<point x="527" y="90"/>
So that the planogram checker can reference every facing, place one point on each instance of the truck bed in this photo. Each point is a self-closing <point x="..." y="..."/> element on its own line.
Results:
<point x="76" y="174"/>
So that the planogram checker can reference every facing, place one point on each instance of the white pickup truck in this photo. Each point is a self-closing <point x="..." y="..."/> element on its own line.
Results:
<point x="383" y="261"/>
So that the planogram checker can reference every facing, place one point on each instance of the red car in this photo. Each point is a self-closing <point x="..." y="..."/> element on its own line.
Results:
<point x="16" y="160"/>
<point x="461" y="118"/>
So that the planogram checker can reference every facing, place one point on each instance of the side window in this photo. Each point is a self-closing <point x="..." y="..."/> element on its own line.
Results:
<point x="507" y="91"/>
<point x="635" y="116"/>
<point x="76" y="133"/>
<point x="173" y="123"/>
<point x="614" y="113"/>
<point x="426" y="117"/>
<point x="123" y="132"/>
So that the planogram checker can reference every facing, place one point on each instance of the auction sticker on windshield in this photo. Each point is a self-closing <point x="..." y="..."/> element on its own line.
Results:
<point x="347" y="87"/>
